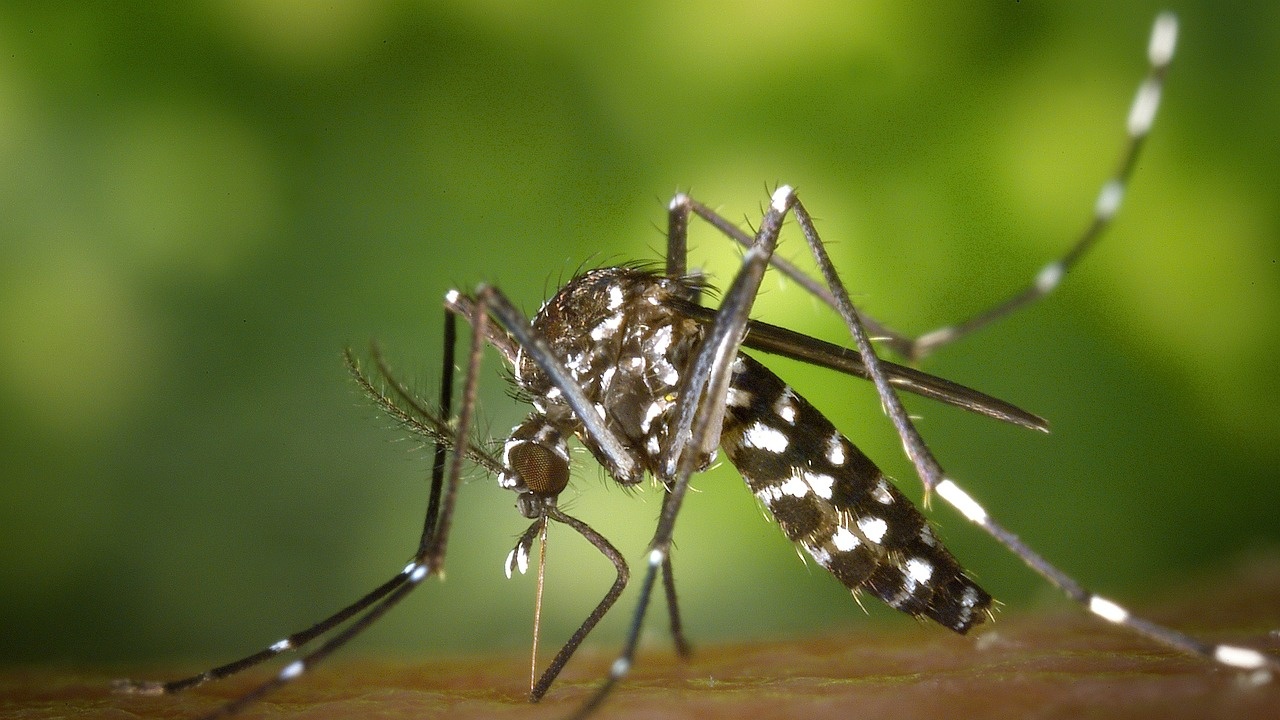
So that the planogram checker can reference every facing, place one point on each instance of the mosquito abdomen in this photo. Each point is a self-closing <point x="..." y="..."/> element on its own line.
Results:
<point x="832" y="500"/>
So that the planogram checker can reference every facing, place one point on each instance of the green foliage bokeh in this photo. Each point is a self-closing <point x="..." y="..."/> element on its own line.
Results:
<point x="202" y="203"/>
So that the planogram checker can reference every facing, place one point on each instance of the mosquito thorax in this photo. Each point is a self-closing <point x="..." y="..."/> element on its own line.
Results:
<point x="621" y="337"/>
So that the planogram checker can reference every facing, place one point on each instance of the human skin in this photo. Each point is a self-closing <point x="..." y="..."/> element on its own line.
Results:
<point x="1046" y="664"/>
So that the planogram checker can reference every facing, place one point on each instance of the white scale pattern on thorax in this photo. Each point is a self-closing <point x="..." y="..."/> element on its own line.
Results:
<point x="629" y="354"/>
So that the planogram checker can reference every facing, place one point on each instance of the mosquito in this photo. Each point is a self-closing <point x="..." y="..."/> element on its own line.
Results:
<point x="629" y="363"/>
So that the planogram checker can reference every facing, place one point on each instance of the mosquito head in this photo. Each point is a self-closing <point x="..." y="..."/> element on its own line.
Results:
<point x="543" y="471"/>
<point x="535" y="463"/>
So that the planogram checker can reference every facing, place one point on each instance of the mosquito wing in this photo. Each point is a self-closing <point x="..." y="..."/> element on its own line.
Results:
<point x="798" y="346"/>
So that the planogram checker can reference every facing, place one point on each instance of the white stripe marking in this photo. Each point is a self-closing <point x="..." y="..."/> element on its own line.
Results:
<point x="620" y="667"/>
<point x="607" y="327"/>
<point x="785" y="406"/>
<point x="835" y="450"/>
<point x="615" y="297"/>
<point x="292" y="670"/>
<point x="915" y="573"/>
<point x="1246" y="658"/>
<point x="919" y="570"/>
<point x="655" y="409"/>
<point x="1143" y="112"/>
<point x="1109" y="199"/>
<point x="1049" y="277"/>
<point x="1107" y="610"/>
<point x="926" y="536"/>
<point x="843" y="540"/>
<point x="822" y="484"/>
<point x="941" y="336"/>
<point x="961" y="501"/>
<point x="1164" y="38"/>
<point x="662" y="340"/>
<point x="781" y="197"/>
<point x="820" y="556"/>
<point x="761" y="436"/>
<point x="873" y="528"/>
<point x="794" y="486"/>
<point x="881" y="493"/>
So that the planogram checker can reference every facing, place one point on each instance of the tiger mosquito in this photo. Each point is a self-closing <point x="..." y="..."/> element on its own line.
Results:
<point x="629" y="363"/>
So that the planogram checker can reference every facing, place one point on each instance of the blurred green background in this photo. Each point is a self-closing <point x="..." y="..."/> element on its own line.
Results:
<point x="202" y="203"/>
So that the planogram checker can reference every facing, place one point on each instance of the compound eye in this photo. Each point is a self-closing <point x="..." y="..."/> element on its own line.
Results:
<point x="543" y="471"/>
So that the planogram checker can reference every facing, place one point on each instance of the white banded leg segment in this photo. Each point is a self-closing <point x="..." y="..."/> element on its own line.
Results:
<point x="292" y="670"/>
<point x="1138" y="123"/>
<point x="1109" y="199"/>
<point x="1164" y="39"/>
<point x="1108" y="610"/>
<point x="1264" y="667"/>
<point x="619" y="668"/>
<point x="960" y="500"/>
<point x="1142" y="114"/>
<point x="1240" y="657"/>
<point x="934" y="338"/>
<point x="1049" y="277"/>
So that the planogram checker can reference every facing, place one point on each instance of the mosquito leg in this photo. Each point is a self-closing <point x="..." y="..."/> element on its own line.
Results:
<point x="699" y="418"/>
<point x="683" y="648"/>
<point x="1264" y="666"/>
<point x="1142" y="114"/>
<point x="610" y="597"/>
<point x="428" y="560"/>
<point x="440" y="455"/>
<point x="1141" y="117"/>
<point x="706" y="382"/>
<point x="935" y="479"/>
<point x="292" y="642"/>
<point x="917" y="451"/>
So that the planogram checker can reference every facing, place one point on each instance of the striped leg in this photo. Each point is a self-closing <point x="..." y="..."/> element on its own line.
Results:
<point x="700" y="412"/>
<point x="936" y="480"/>
<point x="428" y="560"/>
<point x="1142" y="114"/>
<point x="1262" y="667"/>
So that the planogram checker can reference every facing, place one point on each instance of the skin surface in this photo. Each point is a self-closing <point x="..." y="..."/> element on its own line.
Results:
<point x="1049" y="665"/>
